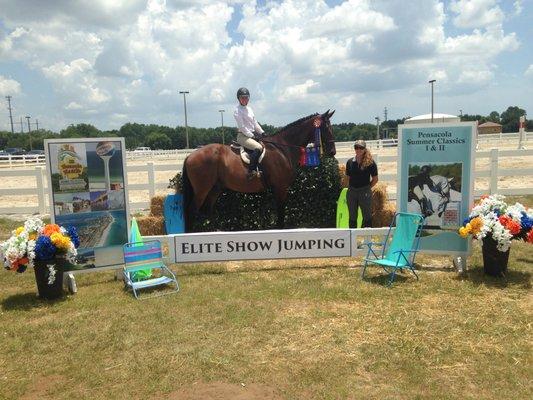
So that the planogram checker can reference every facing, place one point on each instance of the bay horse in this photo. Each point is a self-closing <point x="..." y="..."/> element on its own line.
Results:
<point x="212" y="168"/>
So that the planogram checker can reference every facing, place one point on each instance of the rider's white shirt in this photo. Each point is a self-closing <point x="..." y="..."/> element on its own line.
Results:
<point x="246" y="122"/>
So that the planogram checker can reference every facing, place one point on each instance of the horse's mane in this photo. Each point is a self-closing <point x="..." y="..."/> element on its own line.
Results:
<point x="296" y="122"/>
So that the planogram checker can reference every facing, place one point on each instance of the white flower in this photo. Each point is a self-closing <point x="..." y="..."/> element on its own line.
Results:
<point x="34" y="224"/>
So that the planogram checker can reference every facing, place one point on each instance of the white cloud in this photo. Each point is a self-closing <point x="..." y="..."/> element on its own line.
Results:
<point x="476" y="13"/>
<point x="517" y="5"/>
<point x="529" y="71"/>
<point x="8" y="86"/>
<point x="296" y="56"/>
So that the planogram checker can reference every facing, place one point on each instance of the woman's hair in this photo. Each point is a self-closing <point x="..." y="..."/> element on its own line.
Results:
<point x="367" y="158"/>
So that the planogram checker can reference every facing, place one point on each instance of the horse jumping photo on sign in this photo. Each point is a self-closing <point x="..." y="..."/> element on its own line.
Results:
<point x="215" y="167"/>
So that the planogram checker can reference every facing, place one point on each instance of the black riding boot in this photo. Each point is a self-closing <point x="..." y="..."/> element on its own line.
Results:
<point x="426" y="209"/>
<point x="252" y="167"/>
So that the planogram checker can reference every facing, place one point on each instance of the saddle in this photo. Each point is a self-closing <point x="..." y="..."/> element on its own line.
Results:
<point x="245" y="153"/>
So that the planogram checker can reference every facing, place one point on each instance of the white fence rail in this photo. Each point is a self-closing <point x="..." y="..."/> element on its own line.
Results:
<point x="179" y="155"/>
<point x="33" y="181"/>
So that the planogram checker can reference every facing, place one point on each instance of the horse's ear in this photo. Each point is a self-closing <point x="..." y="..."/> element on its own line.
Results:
<point x="325" y="115"/>
<point x="331" y="113"/>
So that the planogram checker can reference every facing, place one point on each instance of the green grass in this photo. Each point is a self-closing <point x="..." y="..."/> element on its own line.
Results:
<point x="309" y="329"/>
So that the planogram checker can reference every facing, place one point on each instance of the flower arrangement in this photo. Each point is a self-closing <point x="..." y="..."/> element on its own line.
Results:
<point x="37" y="241"/>
<point x="492" y="217"/>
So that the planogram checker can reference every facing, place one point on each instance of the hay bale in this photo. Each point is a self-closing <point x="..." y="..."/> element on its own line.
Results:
<point x="156" y="206"/>
<point x="384" y="216"/>
<point x="151" y="225"/>
<point x="379" y="197"/>
<point x="344" y="179"/>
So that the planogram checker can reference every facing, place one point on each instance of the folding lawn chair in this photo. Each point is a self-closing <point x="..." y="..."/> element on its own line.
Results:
<point x="401" y="251"/>
<point x="139" y="256"/>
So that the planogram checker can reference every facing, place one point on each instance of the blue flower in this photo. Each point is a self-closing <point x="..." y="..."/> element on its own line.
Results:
<point x="497" y="211"/>
<point x="73" y="234"/>
<point x="526" y="222"/>
<point x="44" y="248"/>
<point x="466" y="221"/>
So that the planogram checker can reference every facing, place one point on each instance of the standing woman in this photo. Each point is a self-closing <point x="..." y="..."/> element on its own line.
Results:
<point x="363" y="173"/>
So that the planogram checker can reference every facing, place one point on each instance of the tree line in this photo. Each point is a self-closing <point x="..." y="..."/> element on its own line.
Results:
<point x="165" y="137"/>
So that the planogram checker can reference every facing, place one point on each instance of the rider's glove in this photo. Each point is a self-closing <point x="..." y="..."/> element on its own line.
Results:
<point x="258" y="136"/>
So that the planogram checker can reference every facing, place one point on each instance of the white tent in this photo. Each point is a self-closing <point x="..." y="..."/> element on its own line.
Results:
<point x="426" y="118"/>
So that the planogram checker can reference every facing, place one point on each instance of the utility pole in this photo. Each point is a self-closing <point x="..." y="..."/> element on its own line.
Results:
<point x="377" y="128"/>
<point x="184" y="92"/>
<point x="222" y="123"/>
<point x="385" y="114"/>
<point x="10" y="114"/>
<point x="37" y="123"/>
<point x="21" y="126"/>
<point x="432" y="82"/>
<point x="29" y="130"/>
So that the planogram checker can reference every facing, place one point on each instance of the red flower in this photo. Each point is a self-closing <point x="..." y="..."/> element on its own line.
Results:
<point x="514" y="227"/>
<point x="504" y="220"/>
<point x="529" y="238"/>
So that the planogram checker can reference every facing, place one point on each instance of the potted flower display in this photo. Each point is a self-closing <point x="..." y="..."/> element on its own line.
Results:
<point x="495" y="223"/>
<point x="46" y="248"/>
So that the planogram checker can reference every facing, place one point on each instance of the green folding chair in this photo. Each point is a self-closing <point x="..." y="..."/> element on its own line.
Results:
<point x="401" y="251"/>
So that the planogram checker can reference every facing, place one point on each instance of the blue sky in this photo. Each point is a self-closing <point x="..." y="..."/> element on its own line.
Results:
<point x="108" y="63"/>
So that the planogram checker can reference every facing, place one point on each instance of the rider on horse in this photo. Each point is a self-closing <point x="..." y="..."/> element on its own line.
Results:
<point x="416" y="185"/>
<point x="249" y="130"/>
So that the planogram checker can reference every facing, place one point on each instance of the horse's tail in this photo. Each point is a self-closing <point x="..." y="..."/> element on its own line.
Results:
<point x="188" y="195"/>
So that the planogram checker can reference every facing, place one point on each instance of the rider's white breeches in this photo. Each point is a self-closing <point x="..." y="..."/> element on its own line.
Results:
<point x="248" y="142"/>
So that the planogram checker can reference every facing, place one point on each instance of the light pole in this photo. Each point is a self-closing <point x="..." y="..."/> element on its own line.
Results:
<point x="377" y="128"/>
<point x="222" y="123"/>
<point x="184" y="92"/>
<point x="432" y="82"/>
<point x="29" y="130"/>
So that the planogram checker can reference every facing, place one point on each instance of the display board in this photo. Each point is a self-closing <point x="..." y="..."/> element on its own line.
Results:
<point x="436" y="179"/>
<point x="88" y="191"/>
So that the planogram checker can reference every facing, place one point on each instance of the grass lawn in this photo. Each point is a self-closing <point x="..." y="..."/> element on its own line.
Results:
<point x="304" y="329"/>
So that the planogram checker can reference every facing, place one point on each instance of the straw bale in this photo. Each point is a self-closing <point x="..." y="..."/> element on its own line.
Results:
<point x="156" y="206"/>
<point x="151" y="225"/>
<point x="344" y="179"/>
<point x="384" y="216"/>
<point x="379" y="197"/>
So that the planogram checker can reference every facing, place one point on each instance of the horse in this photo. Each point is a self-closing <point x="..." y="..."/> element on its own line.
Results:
<point x="437" y="198"/>
<point x="214" y="167"/>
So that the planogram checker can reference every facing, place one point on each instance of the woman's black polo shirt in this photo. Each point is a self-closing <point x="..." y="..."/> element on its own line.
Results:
<point x="360" y="177"/>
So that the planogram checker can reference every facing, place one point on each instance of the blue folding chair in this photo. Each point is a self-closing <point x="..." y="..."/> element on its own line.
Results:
<point x="139" y="256"/>
<point x="401" y="251"/>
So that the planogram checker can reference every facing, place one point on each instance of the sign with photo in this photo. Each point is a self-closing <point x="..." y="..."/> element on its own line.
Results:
<point x="88" y="182"/>
<point x="436" y="180"/>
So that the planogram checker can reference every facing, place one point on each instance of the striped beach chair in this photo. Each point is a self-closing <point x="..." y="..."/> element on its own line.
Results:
<point x="141" y="256"/>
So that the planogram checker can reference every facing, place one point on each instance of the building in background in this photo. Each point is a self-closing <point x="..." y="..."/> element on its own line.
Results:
<point x="489" y="127"/>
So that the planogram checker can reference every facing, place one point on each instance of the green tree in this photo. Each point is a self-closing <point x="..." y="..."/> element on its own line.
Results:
<point x="158" y="141"/>
<point x="80" y="131"/>
<point x="494" y="116"/>
<point x="510" y="118"/>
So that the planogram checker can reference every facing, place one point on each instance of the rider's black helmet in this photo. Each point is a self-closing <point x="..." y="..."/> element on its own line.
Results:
<point x="243" y="92"/>
<point x="426" y="169"/>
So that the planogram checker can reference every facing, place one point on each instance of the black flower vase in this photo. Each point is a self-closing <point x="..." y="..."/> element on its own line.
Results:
<point x="494" y="261"/>
<point x="49" y="284"/>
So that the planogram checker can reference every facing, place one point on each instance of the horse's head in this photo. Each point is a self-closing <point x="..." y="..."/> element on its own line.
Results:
<point x="328" y="140"/>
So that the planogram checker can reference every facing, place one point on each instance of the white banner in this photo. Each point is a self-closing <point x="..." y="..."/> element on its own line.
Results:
<point x="259" y="245"/>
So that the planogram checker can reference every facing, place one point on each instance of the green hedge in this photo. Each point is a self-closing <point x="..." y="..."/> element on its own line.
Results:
<point x="311" y="203"/>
